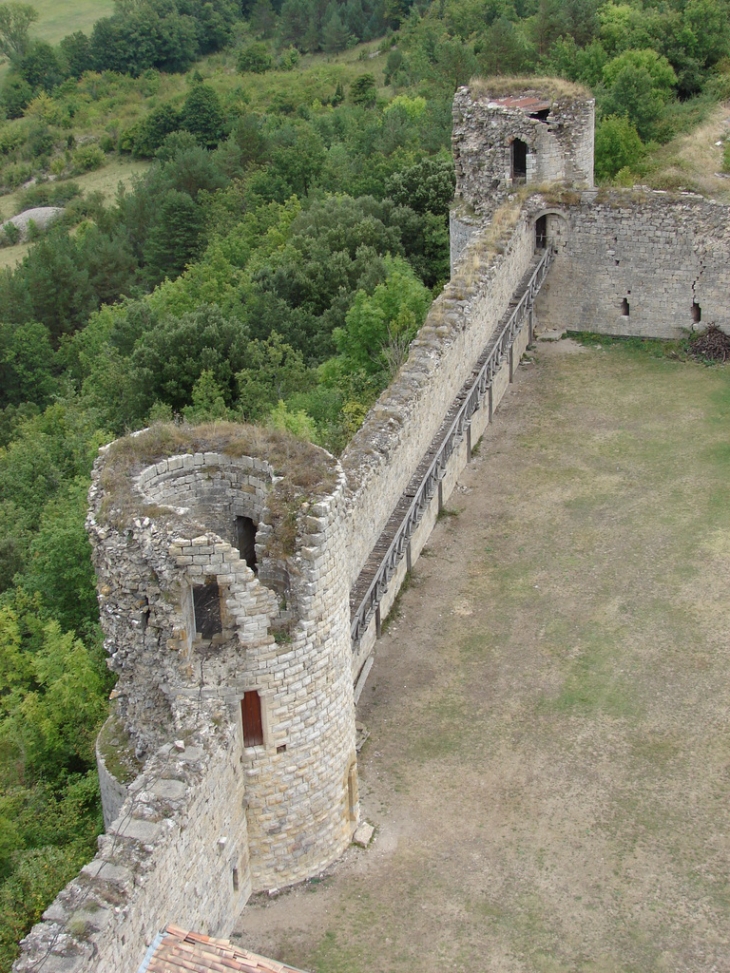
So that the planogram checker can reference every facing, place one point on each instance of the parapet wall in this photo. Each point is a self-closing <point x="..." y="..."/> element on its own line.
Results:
<point x="643" y="263"/>
<point x="383" y="455"/>
<point x="178" y="848"/>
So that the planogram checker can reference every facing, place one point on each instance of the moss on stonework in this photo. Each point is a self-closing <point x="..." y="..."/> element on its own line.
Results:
<point x="117" y="751"/>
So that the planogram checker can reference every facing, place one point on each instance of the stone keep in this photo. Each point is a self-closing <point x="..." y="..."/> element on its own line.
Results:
<point x="224" y="599"/>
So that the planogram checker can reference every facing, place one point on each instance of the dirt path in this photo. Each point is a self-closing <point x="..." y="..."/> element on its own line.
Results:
<point x="549" y="760"/>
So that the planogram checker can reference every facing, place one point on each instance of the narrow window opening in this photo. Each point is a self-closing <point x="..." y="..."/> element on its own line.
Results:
<point x="253" y="727"/>
<point x="696" y="312"/>
<point x="246" y="540"/>
<point x="519" y="159"/>
<point x="207" y="605"/>
<point x="281" y="748"/>
<point x="235" y="879"/>
<point x="625" y="308"/>
<point x="541" y="233"/>
<point x="144" y="614"/>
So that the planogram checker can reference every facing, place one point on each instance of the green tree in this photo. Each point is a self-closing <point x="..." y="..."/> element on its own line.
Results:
<point x="202" y="114"/>
<point x="175" y="237"/>
<point x="379" y="327"/>
<point x="255" y="58"/>
<point x="27" y="364"/>
<point x="208" y="403"/>
<point x="427" y="187"/>
<point x="40" y="67"/>
<point x="335" y="35"/>
<point x="59" y="560"/>
<point x="168" y="360"/>
<point x="16" y="95"/>
<point x="504" y="49"/>
<point x="639" y="83"/>
<point x="55" y="283"/>
<point x="455" y="62"/>
<point x="582" y="64"/>
<point x="76" y="54"/>
<point x="363" y="91"/>
<point x="618" y="146"/>
<point x="274" y="370"/>
<point x="263" y="19"/>
<point x="15" y="21"/>
<point x="297" y="155"/>
<point x="297" y="422"/>
<point x="154" y="128"/>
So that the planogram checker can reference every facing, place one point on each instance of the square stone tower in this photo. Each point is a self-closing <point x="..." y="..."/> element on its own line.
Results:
<point x="504" y="138"/>
<point x="511" y="132"/>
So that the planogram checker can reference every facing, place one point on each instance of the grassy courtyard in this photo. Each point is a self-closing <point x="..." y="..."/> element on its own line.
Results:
<point x="549" y="760"/>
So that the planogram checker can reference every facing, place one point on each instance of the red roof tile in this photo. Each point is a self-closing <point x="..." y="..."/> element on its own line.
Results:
<point x="180" y="951"/>
<point x="523" y="104"/>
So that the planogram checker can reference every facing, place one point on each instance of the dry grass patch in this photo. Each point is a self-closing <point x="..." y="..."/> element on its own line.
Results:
<point x="548" y="756"/>
<point x="502" y="86"/>
<point x="694" y="161"/>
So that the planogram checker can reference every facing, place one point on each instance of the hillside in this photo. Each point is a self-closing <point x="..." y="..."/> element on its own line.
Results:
<point x="58" y="18"/>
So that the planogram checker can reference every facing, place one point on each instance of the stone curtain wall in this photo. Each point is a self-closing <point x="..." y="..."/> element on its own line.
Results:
<point x="178" y="849"/>
<point x="659" y="252"/>
<point x="384" y="454"/>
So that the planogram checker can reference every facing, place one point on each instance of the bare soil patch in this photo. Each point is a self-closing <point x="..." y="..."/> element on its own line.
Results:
<point x="548" y="765"/>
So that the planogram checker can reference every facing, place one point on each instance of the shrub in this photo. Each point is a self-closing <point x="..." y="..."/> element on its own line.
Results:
<point x="288" y="59"/>
<point x="11" y="234"/>
<point x="255" y="58"/>
<point x="86" y="158"/>
<point x="618" y="146"/>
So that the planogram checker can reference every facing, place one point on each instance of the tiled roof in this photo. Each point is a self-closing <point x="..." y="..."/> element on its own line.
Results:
<point x="178" y="951"/>
<point x="523" y="104"/>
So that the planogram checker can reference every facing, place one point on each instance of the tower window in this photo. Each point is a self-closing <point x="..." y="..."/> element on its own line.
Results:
<point x="246" y="540"/>
<point x="519" y="159"/>
<point x="207" y="606"/>
<point x="624" y="308"/>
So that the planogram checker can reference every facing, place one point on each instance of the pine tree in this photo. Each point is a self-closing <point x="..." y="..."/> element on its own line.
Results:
<point x="202" y="115"/>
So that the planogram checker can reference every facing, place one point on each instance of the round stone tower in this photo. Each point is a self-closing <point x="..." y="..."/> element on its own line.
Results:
<point x="220" y="560"/>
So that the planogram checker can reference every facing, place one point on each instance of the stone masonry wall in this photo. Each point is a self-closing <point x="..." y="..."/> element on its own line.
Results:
<point x="178" y="849"/>
<point x="383" y="455"/>
<point x="658" y="252"/>
<point x="300" y="816"/>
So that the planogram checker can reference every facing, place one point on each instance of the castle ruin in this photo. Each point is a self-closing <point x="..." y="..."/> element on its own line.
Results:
<point x="243" y="576"/>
